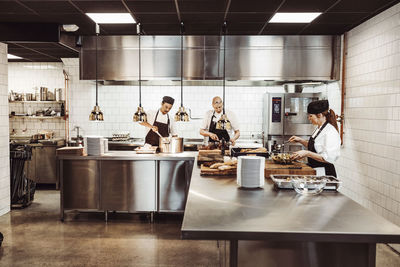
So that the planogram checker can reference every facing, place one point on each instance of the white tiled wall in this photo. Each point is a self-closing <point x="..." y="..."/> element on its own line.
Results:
<point x="370" y="159"/>
<point x="4" y="147"/>
<point x="119" y="103"/>
<point x="24" y="78"/>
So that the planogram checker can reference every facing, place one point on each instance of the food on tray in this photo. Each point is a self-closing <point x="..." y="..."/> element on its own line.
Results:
<point x="225" y="167"/>
<point x="282" y="158"/>
<point x="230" y="161"/>
<point x="253" y="150"/>
<point x="216" y="165"/>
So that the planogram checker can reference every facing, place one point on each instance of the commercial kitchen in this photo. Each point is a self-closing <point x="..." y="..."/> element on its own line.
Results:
<point x="200" y="133"/>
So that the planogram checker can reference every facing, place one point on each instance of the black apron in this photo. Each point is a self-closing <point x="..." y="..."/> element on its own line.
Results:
<point x="163" y="128"/>
<point x="329" y="167"/>
<point x="222" y="134"/>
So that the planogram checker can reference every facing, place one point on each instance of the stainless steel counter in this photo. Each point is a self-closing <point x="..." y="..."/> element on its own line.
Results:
<point x="125" y="181"/>
<point x="132" y="155"/>
<point x="309" y="229"/>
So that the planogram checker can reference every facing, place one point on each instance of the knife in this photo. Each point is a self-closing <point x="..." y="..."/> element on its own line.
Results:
<point x="288" y="168"/>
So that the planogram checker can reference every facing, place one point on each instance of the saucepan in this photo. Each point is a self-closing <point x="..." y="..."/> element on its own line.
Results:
<point x="172" y="144"/>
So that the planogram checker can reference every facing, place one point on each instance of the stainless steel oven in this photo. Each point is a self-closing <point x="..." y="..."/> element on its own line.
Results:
<point x="285" y="114"/>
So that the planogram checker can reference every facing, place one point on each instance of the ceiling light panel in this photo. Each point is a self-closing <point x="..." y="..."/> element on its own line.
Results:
<point x="111" y="18"/>
<point x="294" y="17"/>
<point x="9" y="56"/>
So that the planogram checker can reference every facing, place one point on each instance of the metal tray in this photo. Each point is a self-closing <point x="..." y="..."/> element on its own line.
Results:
<point x="282" y="181"/>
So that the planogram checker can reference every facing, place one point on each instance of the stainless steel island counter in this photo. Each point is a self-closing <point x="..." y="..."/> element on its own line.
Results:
<point x="267" y="227"/>
<point x="125" y="181"/>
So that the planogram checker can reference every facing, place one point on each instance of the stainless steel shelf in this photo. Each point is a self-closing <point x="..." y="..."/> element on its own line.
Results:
<point x="38" y="102"/>
<point x="38" y="117"/>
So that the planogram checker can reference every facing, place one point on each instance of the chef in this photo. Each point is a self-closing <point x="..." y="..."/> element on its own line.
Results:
<point x="209" y="129"/>
<point x="160" y="121"/>
<point x="323" y="147"/>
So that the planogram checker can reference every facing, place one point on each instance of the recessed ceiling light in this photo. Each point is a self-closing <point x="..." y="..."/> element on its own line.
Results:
<point x="70" y="27"/>
<point x="294" y="17"/>
<point x="111" y="18"/>
<point x="9" y="56"/>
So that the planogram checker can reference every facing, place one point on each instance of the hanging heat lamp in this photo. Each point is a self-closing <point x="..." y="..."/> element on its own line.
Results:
<point x="96" y="114"/>
<point x="181" y="114"/>
<point x="140" y="115"/>
<point x="223" y="123"/>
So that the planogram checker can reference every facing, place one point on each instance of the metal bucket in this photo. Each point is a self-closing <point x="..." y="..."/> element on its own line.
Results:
<point x="171" y="144"/>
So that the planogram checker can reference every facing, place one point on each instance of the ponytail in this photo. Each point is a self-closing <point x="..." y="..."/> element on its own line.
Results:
<point x="331" y="118"/>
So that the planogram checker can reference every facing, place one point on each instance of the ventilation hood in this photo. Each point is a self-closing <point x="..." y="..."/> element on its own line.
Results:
<point x="256" y="60"/>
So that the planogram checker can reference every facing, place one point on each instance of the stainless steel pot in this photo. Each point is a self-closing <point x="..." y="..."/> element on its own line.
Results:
<point x="171" y="144"/>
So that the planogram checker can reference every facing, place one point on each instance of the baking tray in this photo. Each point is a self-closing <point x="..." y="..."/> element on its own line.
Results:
<point x="235" y="152"/>
<point x="282" y="181"/>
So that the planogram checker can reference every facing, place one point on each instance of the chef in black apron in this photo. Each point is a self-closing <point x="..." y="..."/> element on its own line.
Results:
<point x="323" y="147"/>
<point x="209" y="125"/>
<point x="164" y="127"/>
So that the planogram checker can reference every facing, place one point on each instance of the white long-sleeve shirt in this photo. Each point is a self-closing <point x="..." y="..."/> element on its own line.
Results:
<point x="327" y="143"/>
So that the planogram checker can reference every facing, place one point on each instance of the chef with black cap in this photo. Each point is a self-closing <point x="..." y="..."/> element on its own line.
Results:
<point x="323" y="147"/>
<point x="159" y="121"/>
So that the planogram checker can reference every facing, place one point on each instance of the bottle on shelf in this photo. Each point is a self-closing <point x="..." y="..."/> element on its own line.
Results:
<point x="62" y="109"/>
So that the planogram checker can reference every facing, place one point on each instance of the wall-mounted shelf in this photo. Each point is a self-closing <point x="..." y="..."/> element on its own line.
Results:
<point x="38" y="117"/>
<point x="38" y="102"/>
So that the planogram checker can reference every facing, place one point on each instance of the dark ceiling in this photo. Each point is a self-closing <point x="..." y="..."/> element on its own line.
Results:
<point x="201" y="17"/>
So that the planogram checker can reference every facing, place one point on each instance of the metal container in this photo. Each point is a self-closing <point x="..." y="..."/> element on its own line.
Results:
<point x="171" y="144"/>
<point x="43" y="93"/>
<point x="58" y="94"/>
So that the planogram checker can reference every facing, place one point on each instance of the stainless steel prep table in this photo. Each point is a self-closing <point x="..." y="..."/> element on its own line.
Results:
<point x="267" y="227"/>
<point x="125" y="181"/>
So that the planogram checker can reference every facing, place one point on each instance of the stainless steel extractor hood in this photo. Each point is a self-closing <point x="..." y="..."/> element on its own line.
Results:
<point x="248" y="58"/>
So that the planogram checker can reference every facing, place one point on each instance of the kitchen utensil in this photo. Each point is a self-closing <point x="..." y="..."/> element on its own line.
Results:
<point x="282" y="158"/>
<point x="58" y="94"/>
<point x="171" y="144"/>
<point x="159" y="134"/>
<point x="307" y="186"/>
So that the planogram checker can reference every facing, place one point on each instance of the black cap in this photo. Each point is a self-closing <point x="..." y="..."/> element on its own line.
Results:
<point x="318" y="106"/>
<point x="168" y="99"/>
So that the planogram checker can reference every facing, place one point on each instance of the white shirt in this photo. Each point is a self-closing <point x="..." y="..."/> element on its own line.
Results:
<point x="207" y="119"/>
<point x="327" y="143"/>
<point x="163" y="118"/>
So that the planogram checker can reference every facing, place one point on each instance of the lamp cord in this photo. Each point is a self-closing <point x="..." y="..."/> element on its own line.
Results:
<point x="97" y="37"/>
<point x="182" y="29"/>
<point x="140" y="70"/>
<point x="223" y="82"/>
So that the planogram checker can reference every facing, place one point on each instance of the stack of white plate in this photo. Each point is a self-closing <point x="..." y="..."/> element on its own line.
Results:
<point x="250" y="171"/>
<point x="95" y="145"/>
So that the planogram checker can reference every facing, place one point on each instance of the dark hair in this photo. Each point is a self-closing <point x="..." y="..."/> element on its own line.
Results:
<point x="331" y="118"/>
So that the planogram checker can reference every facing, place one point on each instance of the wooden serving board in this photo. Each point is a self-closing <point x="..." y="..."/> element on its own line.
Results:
<point x="206" y="171"/>
<point x="273" y="168"/>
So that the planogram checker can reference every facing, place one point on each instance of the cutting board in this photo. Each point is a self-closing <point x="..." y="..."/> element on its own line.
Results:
<point x="273" y="168"/>
<point x="206" y="171"/>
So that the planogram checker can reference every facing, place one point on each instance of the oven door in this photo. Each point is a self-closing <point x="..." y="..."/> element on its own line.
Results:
<point x="295" y="113"/>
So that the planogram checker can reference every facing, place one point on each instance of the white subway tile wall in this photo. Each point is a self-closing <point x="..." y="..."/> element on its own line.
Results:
<point x="27" y="77"/>
<point x="370" y="159"/>
<point x="4" y="138"/>
<point x="119" y="103"/>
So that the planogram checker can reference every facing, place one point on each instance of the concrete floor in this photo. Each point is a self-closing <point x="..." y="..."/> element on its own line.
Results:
<point x="35" y="237"/>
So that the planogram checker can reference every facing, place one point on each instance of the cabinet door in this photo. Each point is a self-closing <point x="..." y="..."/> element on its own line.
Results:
<point x="46" y="164"/>
<point x="128" y="185"/>
<point x="80" y="189"/>
<point x="174" y="184"/>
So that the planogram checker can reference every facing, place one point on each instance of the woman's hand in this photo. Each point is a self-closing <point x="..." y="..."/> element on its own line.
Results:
<point x="295" y="139"/>
<point x="154" y="128"/>
<point x="213" y="136"/>
<point x="233" y="142"/>
<point x="300" y="154"/>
